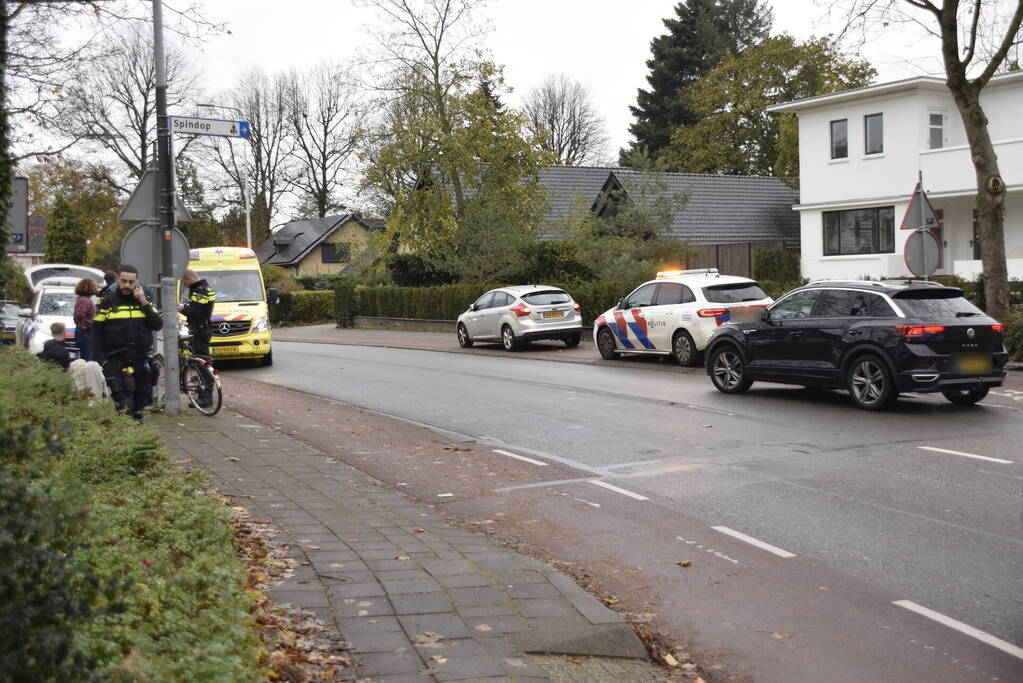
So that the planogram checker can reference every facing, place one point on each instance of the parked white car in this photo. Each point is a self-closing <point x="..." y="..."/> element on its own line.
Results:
<point x="51" y="303"/>
<point x="36" y="275"/>
<point x="513" y="315"/>
<point x="677" y="313"/>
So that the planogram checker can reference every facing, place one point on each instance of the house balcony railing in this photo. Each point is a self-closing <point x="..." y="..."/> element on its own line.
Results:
<point x="950" y="170"/>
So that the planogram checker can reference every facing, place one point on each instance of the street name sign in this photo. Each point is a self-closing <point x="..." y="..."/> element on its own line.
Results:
<point x="218" y="127"/>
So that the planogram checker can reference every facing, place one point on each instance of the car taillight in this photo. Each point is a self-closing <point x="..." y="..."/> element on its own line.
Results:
<point x="998" y="327"/>
<point x="520" y="309"/>
<point x="918" y="331"/>
<point x="711" y="312"/>
<point x="580" y="308"/>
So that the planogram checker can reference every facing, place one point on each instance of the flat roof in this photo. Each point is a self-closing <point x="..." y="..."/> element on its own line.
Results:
<point x="914" y="83"/>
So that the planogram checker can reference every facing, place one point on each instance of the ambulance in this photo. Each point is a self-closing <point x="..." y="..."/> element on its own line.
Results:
<point x="240" y="320"/>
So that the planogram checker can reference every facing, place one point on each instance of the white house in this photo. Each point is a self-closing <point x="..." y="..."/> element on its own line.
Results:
<point x="860" y="152"/>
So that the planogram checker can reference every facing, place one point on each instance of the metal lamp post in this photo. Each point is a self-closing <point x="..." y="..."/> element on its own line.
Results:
<point x="245" y="181"/>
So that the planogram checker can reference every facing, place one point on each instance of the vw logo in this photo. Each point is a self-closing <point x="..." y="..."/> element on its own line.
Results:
<point x="225" y="328"/>
<point x="970" y="333"/>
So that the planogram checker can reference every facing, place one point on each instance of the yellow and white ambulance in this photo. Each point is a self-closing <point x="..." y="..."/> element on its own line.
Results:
<point x="240" y="320"/>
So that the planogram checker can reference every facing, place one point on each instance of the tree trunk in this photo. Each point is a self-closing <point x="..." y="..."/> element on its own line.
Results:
<point x="990" y="200"/>
<point x="6" y="164"/>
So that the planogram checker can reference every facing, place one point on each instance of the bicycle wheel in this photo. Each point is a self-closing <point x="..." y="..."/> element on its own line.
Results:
<point x="202" y="386"/>
<point x="159" y="393"/>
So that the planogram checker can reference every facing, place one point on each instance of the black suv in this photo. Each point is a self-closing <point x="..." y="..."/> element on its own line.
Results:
<point x="875" y="339"/>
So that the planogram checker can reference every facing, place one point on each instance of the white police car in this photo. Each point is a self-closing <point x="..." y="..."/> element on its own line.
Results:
<point x="677" y="313"/>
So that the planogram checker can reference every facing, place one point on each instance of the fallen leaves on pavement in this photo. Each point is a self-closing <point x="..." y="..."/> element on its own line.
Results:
<point x="300" y="647"/>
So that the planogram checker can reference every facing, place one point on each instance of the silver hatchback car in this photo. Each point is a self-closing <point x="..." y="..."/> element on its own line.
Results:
<point x="514" y="315"/>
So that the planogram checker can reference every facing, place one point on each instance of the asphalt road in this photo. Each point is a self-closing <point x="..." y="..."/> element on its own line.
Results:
<point x="802" y="471"/>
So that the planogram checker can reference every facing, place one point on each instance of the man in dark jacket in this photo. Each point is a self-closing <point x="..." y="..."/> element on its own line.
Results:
<point x="198" y="311"/>
<point x="54" y="349"/>
<point x="122" y="339"/>
<point x="110" y="280"/>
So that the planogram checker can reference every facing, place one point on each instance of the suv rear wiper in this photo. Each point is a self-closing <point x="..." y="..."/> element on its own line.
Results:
<point x="965" y="314"/>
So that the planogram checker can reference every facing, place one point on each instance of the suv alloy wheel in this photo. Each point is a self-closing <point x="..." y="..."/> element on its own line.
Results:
<point x="870" y="383"/>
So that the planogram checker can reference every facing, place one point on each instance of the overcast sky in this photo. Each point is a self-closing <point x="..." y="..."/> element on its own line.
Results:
<point x="602" y="43"/>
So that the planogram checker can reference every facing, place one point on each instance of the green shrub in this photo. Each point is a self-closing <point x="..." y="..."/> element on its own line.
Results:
<point x="151" y="572"/>
<point x="312" y="307"/>
<point x="280" y="312"/>
<point x="1014" y="335"/>
<point x="344" y="304"/>
<point x="46" y="592"/>
<point x="279" y="279"/>
<point x="775" y="289"/>
<point x="777" y="264"/>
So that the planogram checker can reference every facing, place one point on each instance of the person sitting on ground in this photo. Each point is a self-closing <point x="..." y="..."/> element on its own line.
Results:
<point x="54" y="350"/>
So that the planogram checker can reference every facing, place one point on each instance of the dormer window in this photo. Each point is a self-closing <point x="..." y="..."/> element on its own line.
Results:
<point x="873" y="133"/>
<point x="840" y="139"/>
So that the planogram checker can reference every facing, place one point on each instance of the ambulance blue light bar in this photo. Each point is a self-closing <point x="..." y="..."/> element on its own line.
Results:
<point x="691" y="271"/>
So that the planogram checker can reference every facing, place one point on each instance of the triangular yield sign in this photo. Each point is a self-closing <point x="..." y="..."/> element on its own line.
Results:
<point x="141" y="206"/>
<point x="920" y="213"/>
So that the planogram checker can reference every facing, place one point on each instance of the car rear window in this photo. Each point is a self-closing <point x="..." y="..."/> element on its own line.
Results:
<point x="941" y="304"/>
<point x="547" y="296"/>
<point x="734" y="293"/>
<point x="57" y="303"/>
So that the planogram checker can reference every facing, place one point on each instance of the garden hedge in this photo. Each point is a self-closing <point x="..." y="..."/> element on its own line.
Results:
<point x="114" y="564"/>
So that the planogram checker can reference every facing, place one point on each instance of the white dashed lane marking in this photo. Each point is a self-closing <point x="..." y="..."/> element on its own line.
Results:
<point x="520" y="457"/>
<point x="612" y="487"/>
<point x="753" y="541"/>
<point x="965" y="455"/>
<point x="962" y="628"/>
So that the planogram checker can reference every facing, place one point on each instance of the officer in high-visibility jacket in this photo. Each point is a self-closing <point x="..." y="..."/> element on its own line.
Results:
<point x="122" y="341"/>
<point x="198" y="310"/>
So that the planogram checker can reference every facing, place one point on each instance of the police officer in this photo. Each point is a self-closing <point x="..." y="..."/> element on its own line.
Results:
<point x="198" y="311"/>
<point x="122" y="339"/>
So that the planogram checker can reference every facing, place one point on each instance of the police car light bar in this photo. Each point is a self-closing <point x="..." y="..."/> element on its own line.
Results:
<point x="692" y="271"/>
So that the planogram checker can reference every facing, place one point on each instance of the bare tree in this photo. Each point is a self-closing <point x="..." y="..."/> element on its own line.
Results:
<point x="975" y="38"/>
<point x="268" y="163"/>
<point x="563" y="119"/>
<point x="43" y="59"/>
<point x="327" y="122"/>
<point x="112" y="101"/>
<point x="431" y="49"/>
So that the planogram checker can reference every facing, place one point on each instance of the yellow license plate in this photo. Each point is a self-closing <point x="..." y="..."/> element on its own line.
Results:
<point x="554" y="314"/>
<point x="223" y="350"/>
<point x="972" y="363"/>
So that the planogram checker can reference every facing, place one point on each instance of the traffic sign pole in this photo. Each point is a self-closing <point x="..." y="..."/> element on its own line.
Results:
<point x="165" y="197"/>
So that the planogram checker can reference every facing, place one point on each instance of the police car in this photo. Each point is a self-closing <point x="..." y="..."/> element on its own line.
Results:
<point x="677" y="313"/>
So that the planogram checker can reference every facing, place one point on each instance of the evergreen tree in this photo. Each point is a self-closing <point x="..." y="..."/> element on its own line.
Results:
<point x="701" y="34"/>
<point x="64" y="241"/>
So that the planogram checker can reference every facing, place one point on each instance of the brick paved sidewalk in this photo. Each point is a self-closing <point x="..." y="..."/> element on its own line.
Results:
<point x="417" y="598"/>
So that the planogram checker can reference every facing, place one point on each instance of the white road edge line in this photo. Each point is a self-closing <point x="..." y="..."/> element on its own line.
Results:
<point x="965" y="455"/>
<point x="520" y="457"/>
<point x="752" y="541"/>
<point x="612" y="487"/>
<point x="962" y="628"/>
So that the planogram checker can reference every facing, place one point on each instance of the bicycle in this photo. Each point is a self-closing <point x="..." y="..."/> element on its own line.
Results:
<point x="198" y="377"/>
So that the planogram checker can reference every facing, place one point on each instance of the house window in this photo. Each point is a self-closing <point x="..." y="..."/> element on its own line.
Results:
<point x="873" y="133"/>
<point x="936" y="126"/>
<point x="859" y="231"/>
<point x="333" y="253"/>
<point x="840" y="139"/>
